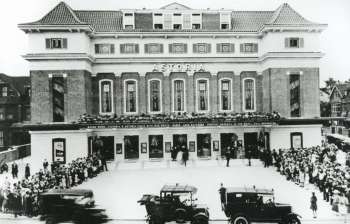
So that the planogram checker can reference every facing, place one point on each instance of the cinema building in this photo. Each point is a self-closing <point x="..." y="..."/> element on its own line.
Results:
<point x="126" y="67"/>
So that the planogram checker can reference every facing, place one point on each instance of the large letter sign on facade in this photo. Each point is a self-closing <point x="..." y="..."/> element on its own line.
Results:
<point x="59" y="150"/>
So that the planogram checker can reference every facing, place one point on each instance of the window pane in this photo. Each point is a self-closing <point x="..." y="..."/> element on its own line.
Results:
<point x="179" y="94"/>
<point x="203" y="95"/>
<point x="106" y="97"/>
<point x="58" y="99"/>
<point x="130" y="96"/>
<point x="249" y="94"/>
<point x="155" y="96"/>
<point x="225" y="95"/>
<point x="294" y="88"/>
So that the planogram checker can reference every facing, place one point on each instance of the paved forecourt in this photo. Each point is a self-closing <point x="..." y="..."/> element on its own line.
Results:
<point x="119" y="189"/>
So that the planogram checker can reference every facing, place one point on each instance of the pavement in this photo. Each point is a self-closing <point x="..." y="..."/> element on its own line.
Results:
<point x="118" y="190"/>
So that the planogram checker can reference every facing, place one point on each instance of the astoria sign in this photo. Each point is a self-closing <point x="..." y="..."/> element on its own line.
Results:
<point x="183" y="67"/>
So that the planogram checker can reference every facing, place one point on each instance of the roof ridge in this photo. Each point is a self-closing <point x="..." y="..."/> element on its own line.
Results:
<point x="282" y="8"/>
<point x="71" y="11"/>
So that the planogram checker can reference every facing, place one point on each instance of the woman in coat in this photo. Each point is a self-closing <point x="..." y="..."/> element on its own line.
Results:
<point x="27" y="171"/>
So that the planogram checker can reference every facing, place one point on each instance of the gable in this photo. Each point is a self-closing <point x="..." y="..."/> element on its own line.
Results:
<point x="175" y="6"/>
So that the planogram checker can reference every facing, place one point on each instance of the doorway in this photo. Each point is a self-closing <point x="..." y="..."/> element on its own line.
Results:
<point x="228" y="140"/>
<point x="131" y="146"/>
<point x="251" y="142"/>
<point x="203" y="145"/>
<point x="179" y="142"/>
<point x="155" y="143"/>
<point x="107" y="147"/>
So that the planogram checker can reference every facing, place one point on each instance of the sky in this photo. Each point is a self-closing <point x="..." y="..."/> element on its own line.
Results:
<point x="334" y="40"/>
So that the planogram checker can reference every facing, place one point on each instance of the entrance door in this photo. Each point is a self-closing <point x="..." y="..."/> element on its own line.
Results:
<point x="179" y="142"/>
<point x="131" y="146"/>
<point x="107" y="148"/>
<point x="155" y="143"/>
<point x="203" y="145"/>
<point x="227" y="140"/>
<point x="251" y="141"/>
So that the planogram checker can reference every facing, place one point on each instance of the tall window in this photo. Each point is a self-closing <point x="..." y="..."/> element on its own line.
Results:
<point x="294" y="88"/>
<point x="58" y="98"/>
<point x="4" y="91"/>
<point x="130" y="96"/>
<point x="1" y="138"/>
<point x="179" y="96"/>
<point x="202" y="91"/>
<point x="155" y="96"/>
<point x="225" y="87"/>
<point x="106" y="96"/>
<point x="249" y="94"/>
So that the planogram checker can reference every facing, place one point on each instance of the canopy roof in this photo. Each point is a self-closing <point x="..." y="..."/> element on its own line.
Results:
<point x="179" y="189"/>
<point x="249" y="190"/>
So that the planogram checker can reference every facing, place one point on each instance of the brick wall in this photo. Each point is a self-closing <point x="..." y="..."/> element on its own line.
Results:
<point x="143" y="21"/>
<point x="211" y="21"/>
<point x="266" y="91"/>
<point x="77" y="95"/>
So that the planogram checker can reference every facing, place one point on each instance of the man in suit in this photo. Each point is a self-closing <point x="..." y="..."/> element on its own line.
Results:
<point x="228" y="156"/>
<point x="14" y="170"/>
<point x="249" y="154"/>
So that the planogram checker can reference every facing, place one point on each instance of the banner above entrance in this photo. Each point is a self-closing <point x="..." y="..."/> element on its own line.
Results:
<point x="189" y="68"/>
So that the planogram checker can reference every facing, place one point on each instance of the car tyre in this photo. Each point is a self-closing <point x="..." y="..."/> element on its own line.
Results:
<point x="293" y="220"/>
<point x="180" y="215"/>
<point x="200" y="219"/>
<point x="240" y="219"/>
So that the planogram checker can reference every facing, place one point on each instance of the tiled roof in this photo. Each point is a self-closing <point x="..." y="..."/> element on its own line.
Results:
<point x="17" y="82"/>
<point x="111" y="21"/>
<point x="285" y="15"/>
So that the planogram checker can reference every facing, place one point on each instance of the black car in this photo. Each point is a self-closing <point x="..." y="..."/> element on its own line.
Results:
<point x="75" y="205"/>
<point x="175" y="203"/>
<point x="246" y="205"/>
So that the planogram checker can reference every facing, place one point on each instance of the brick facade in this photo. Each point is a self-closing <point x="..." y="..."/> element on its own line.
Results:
<point x="82" y="92"/>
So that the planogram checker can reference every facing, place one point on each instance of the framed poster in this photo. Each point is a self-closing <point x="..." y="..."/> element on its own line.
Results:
<point x="296" y="140"/>
<point x="167" y="146"/>
<point x="143" y="147"/>
<point x="119" y="148"/>
<point x="192" y="147"/>
<point x="215" y="146"/>
<point x="59" y="150"/>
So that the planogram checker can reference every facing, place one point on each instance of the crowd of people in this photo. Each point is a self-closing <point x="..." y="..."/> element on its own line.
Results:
<point x="187" y="118"/>
<point x="317" y="166"/>
<point x="20" y="196"/>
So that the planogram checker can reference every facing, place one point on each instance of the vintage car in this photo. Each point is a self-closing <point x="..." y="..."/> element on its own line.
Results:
<point x="246" y="205"/>
<point x="175" y="203"/>
<point x="75" y="205"/>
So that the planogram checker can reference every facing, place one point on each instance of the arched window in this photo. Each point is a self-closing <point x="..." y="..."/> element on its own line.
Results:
<point x="155" y="96"/>
<point x="202" y="95"/>
<point x="249" y="94"/>
<point x="225" y="94"/>
<point x="106" y="96"/>
<point x="179" y="95"/>
<point x="130" y="96"/>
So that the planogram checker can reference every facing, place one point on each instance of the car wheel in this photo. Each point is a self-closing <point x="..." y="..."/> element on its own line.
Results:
<point x="180" y="215"/>
<point x="200" y="220"/>
<point x="240" y="219"/>
<point x="293" y="220"/>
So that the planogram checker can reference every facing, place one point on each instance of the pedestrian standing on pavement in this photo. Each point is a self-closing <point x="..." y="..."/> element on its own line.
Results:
<point x="222" y="192"/>
<point x="185" y="156"/>
<point x="249" y="155"/>
<point x="228" y="156"/>
<point x="45" y="165"/>
<point x="313" y="206"/>
<point x="27" y="171"/>
<point x="14" y="170"/>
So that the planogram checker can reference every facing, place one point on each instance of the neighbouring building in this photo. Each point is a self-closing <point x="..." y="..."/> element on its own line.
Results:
<point x="127" y="65"/>
<point x="14" y="108"/>
<point x="340" y="100"/>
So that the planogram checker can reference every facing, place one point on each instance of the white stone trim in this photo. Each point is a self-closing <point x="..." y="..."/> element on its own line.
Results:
<point x="100" y="97"/>
<point x="172" y="95"/>
<point x="137" y="96"/>
<point x="149" y="95"/>
<point x="208" y="95"/>
<point x="231" y="91"/>
<point x="243" y="94"/>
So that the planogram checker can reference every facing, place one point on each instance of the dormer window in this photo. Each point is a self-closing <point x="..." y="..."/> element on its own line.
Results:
<point x="129" y="27"/>
<point x="128" y="14"/>
<point x="177" y="26"/>
<point x="158" y="26"/>
<point x="225" y="26"/>
<point x="196" y="26"/>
